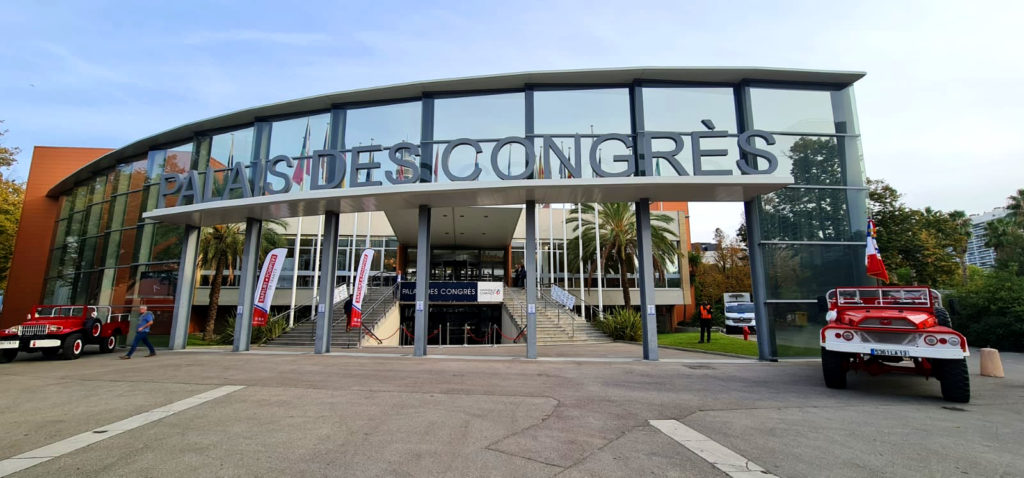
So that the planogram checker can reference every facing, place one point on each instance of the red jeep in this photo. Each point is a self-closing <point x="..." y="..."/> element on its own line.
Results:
<point x="893" y="329"/>
<point x="63" y="330"/>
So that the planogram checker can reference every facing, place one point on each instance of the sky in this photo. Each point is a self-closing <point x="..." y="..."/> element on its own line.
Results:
<point x="939" y="107"/>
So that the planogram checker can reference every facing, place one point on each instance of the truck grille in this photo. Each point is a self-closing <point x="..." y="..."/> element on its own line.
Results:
<point x="33" y="329"/>
<point x="891" y="338"/>
<point x="888" y="323"/>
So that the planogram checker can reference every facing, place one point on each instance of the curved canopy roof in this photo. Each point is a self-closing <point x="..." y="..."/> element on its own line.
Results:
<point x="511" y="81"/>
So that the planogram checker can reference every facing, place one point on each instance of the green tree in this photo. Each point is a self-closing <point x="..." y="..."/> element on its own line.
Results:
<point x="918" y="246"/>
<point x="12" y="195"/>
<point x="801" y="214"/>
<point x="727" y="271"/>
<point x="220" y="247"/>
<point x="990" y="309"/>
<point x="618" y="242"/>
<point x="1006" y="235"/>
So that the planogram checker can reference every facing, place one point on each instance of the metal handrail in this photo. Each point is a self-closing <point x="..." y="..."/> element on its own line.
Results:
<point x="308" y="318"/>
<point x="373" y="306"/>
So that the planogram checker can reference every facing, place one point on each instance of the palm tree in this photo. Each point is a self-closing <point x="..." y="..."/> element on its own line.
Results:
<point x="219" y="250"/>
<point x="619" y="244"/>
<point x="1015" y="204"/>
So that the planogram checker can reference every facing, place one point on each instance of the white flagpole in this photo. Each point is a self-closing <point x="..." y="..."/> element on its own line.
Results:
<point x="295" y="271"/>
<point x="565" y="250"/>
<point x="597" y="253"/>
<point x="352" y="251"/>
<point x="316" y="258"/>
<point x="579" y="222"/>
<point x="551" y="245"/>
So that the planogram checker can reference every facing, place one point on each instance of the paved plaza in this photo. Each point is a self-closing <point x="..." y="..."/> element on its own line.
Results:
<point x="481" y="411"/>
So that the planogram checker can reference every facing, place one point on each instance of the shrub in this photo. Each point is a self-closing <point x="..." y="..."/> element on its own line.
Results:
<point x="260" y="335"/>
<point x="990" y="310"/>
<point x="622" y="324"/>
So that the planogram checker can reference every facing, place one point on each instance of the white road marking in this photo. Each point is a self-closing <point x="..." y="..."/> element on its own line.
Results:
<point x="68" y="445"/>
<point x="713" y="452"/>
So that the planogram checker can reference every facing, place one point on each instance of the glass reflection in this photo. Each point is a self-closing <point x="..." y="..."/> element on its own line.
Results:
<point x="682" y="109"/>
<point x="802" y="214"/>
<point x="480" y="117"/>
<point x="805" y="271"/>
<point x="298" y="137"/>
<point x="787" y="110"/>
<point x="588" y="112"/>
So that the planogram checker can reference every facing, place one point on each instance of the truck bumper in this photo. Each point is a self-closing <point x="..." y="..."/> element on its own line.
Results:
<point x="7" y="343"/>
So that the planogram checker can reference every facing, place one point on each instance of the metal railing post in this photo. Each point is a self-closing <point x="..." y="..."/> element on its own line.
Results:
<point x="465" y="335"/>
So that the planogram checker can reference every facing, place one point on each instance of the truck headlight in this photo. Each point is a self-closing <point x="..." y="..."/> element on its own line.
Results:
<point x="954" y="341"/>
<point x="13" y="330"/>
<point x="53" y="329"/>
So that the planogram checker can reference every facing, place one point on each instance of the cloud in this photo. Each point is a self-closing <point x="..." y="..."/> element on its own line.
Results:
<point x="282" y="38"/>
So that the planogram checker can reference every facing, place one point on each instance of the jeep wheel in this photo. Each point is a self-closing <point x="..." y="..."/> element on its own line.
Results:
<point x="109" y="344"/>
<point x="955" y="380"/>
<point x="833" y="367"/>
<point x="942" y="317"/>
<point x="95" y="329"/>
<point x="72" y="347"/>
<point x="8" y="355"/>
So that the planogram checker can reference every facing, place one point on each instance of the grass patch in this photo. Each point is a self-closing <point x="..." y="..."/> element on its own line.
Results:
<point x="731" y="345"/>
<point x="194" y="340"/>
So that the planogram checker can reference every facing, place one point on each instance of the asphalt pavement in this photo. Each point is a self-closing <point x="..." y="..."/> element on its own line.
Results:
<point x="583" y="412"/>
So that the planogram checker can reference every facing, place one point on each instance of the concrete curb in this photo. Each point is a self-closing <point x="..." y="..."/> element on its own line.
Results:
<point x="684" y="349"/>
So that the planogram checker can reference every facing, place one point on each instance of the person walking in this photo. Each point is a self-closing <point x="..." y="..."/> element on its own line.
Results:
<point x="705" y="322"/>
<point x="521" y="275"/>
<point x="142" y="333"/>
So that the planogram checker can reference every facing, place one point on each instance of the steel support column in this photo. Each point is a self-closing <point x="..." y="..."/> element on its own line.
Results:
<point x="247" y="284"/>
<point x="328" y="271"/>
<point x="422" y="283"/>
<point x="645" y="278"/>
<point x="183" y="293"/>
<point x="766" y="349"/>
<point x="531" y="279"/>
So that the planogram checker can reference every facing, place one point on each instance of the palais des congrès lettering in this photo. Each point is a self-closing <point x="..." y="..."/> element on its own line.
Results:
<point x="330" y="167"/>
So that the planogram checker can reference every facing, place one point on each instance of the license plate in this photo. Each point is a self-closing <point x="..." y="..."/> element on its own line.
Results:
<point x="8" y="344"/>
<point x="890" y="352"/>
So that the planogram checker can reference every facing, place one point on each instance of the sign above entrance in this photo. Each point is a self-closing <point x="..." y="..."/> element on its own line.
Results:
<point x="457" y="292"/>
<point x="330" y="168"/>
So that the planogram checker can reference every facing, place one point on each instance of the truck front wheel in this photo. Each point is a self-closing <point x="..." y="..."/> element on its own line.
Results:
<point x="108" y="344"/>
<point x="955" y="379"/>
<point x="8" y="355"/>
<point x="833" y="367"/>
<point x="72" y="348"/>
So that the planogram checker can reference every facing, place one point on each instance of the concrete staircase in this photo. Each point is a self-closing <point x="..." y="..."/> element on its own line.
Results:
<point x="304" y="334"/>
<point x="555" y="324"/>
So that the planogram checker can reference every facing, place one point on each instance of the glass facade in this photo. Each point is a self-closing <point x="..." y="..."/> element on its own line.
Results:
<point x="104" y="252"/>
<point x="812" y="233"/>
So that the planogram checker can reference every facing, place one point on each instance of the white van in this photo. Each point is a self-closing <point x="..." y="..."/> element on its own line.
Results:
<point x="739" y="312"/>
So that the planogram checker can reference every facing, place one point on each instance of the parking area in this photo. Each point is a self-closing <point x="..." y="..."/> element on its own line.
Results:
<point x="299" y="414"/>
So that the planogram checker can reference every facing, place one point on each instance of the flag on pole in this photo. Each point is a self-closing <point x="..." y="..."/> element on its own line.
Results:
<point x="266" y="285"/>
<point x="303" y="170"/>
<point x="436" y="162"/>
<point x="873" y="258"/>
<point x="231" y="152"/>
<point x="355" y="320"/>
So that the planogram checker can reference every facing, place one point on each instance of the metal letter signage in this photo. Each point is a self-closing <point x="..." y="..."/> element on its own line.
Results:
<point x="354" y="168"/>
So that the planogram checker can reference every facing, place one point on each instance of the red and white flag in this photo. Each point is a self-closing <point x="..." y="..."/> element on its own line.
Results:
<point x="355" y="320"/>
<point x="872" y="258"/>
<point x="265" y="287"/>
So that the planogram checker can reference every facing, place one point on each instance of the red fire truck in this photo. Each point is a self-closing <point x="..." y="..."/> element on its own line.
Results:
<point x="64" y="331"/>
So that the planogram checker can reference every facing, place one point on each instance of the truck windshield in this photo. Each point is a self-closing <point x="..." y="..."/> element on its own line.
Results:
<point x="746" y="308"/>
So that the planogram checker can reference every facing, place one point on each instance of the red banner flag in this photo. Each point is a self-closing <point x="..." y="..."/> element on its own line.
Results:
<point x="355" y="320"/>
<point x="872" y="258"/>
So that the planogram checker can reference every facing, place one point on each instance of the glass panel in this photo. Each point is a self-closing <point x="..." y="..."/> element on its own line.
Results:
<point x="56" y="259"/>
<point x="805" y="271"/>
<point x="179" y="159"/>
<point x="118" y="205"/>
<point x="113" y="249"/>
<point x="592" y="111"/>
<point x="811" y="160"/>
<point x="166" y="242"/>
<point x="81" y="198"/>
<point x="60" y="230"/>
<point x="796" y="327"/>
<point x="98" y="188"/>
<point x="88" y="254"/>
<point x="682" y="109"/>
<point x="802" y="111"/>
<point x="93" y="221"/>
<point x="154" y="281"/>
<point x="797" y="214"/>
<point x="227" y="148"/>
<point x="480" y="116"/>
<point x="137" y="174"/>
<point x="65" y="205"/>
<point x="603" y="110"/>
<point x="133" y="208"/>
<point x="383" y="125"/>
<point x="298" y="137"/>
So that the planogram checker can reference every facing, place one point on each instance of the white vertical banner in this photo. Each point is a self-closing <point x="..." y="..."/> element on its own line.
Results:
<point x="362" y="274"/>
<point x="265" y="287"/>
